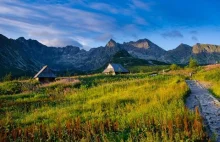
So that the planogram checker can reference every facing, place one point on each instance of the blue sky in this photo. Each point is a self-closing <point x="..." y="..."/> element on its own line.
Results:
<point x="91" y="23"/>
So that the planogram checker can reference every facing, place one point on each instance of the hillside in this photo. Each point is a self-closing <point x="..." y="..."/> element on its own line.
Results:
<point x="209" y="76"/>
<point x="206" y="53"/>
<point x="134" y="107"/>
<point x="179" y="55"/>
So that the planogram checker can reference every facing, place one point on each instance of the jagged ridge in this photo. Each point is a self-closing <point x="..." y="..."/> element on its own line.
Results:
<point x="30" y="55"/>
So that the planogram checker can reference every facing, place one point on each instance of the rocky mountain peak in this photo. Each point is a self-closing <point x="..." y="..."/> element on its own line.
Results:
<point x="143" y="40"/>
<point x="3" y="37"/>
<point x="206" y="48"/>
<point x="183" y="46"/>
<point x="111" y="43"/>
<point x="142" y="43"/>
<point x="180" y="50"/>
<point x="21" y="39"/>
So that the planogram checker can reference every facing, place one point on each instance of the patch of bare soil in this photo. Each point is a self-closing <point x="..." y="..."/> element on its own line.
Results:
<point x="210" y="67"/>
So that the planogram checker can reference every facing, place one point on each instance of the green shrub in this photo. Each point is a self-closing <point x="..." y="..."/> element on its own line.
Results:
<point x="174" y="67"/>
<point x="7" y="77"/>
<point x="30" y="85"/>
<point x="193" y="63"/>
<point x="9" y="88"/>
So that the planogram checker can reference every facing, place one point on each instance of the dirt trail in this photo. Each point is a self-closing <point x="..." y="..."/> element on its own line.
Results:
<point x="209" y="106"/>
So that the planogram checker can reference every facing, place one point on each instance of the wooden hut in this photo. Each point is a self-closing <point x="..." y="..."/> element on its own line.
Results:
<point x="114" y="69"/>
<point x="45" y="75"/>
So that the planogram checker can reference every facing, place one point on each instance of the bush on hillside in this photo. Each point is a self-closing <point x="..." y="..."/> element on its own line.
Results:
<point x="30" y="85"/>
<point x="193" y="63"/>
<point x="15" y="87"/>
<point x="9" y="88"/>
<point x="7" y="77"/>
<point x="174" y="67"/>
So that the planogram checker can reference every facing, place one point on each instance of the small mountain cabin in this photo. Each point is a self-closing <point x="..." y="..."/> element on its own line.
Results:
<point x="114" y="69"/>
<point x="45" y="75"/>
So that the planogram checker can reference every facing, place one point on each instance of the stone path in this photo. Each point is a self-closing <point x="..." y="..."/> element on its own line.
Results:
<point x="209" y="106"/>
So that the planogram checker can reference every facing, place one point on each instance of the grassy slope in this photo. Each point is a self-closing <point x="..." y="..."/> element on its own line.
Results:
<point x="124" y="107"/>
<point x="211" y="74"/>
<point x="144" y="69"/>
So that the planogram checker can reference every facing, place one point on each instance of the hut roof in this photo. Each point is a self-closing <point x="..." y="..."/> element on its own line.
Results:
<point x="115" y="68"/>
<point x="45" y="72"/>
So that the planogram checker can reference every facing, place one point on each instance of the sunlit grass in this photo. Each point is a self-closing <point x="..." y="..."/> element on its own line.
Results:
<point x="211" y="76"/>
<point x="107" y="108"/>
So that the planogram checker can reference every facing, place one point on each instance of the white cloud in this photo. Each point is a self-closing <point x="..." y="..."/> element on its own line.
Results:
<point x="15" y="8"/>
<point x="104" y="7"/>
<point x="30" y="29"/>
<point x="78" y="19"/>
<point x="140" y="4"/>
<point x="48" y="23"/>
<point x="60" y="42"/>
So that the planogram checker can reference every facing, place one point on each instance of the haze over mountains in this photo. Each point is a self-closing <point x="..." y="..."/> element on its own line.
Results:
<point x="23" y="56"/>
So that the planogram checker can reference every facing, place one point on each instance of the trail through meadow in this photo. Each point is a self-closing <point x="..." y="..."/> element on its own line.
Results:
<point x="208" y="105"/>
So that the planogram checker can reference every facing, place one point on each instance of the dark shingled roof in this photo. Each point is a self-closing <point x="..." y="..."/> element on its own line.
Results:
<point x="116" y="68"/>
<point x="45" y="72"/>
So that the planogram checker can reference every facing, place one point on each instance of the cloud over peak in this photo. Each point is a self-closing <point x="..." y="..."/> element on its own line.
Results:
<point x="60" y="42"/>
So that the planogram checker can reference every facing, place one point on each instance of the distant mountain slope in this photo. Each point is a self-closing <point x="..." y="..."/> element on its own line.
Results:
<point x="206" y="53"/>
<point x="23" y="56"/>
<point x="205" y="48"/>
<point x="14" y="59"/>
<point x="143" y="49"/>
<point x="126" y="60"/>
<point x="179" y="55"/>
<point x="30" y="55"/>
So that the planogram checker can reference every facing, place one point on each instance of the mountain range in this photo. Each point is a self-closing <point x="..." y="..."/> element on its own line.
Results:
<point x="26" y="57"/>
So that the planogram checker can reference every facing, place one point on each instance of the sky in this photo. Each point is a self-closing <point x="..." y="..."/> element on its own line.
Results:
<point x="92" y="23"/>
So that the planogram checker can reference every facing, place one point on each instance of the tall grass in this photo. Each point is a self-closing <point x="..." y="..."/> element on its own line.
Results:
<point x="212" y="76"/>
<point x="104" y="108"/>
<point x="16" y="87"/>
<point x="145" y="69"/>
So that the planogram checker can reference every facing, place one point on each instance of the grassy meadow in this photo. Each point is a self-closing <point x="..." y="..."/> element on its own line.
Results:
<point x="210" y="77"/>
<point x="152" y="69"/>
<point x="135" y="107"/>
